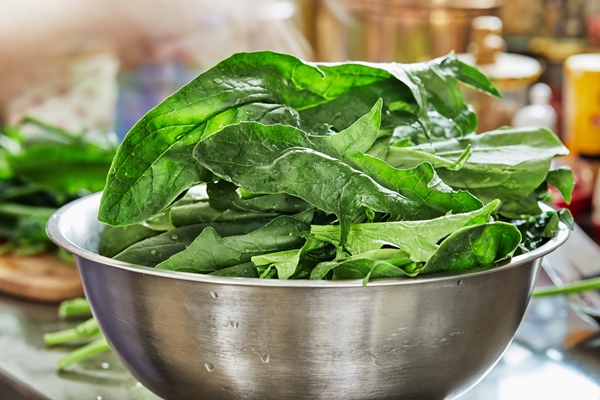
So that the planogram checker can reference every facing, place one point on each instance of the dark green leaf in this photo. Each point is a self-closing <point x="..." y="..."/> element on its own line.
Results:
<point x="154" y="250"/>
<point x="115" y="239"/>
<point x="245" y="270"/>
<point x="224" y="195"/>
<point x="254" y="156"/>
<point x="210" y="252"/>
<point x="420" y="184"/>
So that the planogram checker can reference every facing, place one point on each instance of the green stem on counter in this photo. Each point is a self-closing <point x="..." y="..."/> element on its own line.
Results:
<point x="74" y="308"/>
<point x="58" y="132"/>
<point x="29" y="249"/>
<point x="568" y="288"/>
<point x="96" y="347"/>
<point x="85" y="330"/>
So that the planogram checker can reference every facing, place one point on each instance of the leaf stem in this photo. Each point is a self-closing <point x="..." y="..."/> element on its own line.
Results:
<point x="82" y="353"/>
<point x="82" y="331"/>
<point x="56" y="131"/>
<point x="74" y="308"/>
<point x="568" y="288"/>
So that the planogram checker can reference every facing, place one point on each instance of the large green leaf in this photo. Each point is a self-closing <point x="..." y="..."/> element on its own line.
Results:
<point x="265" y="159"/>
<point x="420" y="184"/>
<point x="154" y="163"/>
<point x="507" y="164"/>
<point x="210" y="252"/>
<point x="418" y="239"/>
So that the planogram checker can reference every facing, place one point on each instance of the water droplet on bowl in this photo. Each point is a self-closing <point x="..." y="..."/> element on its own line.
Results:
<point x="209" y="367"/>
<point x="459" y="283"/>
<point x="233" y="324"/>
<point x="214" y="295"/>
<point x="265" y="358"/>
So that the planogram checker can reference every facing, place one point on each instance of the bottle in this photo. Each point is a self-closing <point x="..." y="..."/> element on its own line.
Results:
<point x="539" y="112"/>
<point x="582" y="108"/>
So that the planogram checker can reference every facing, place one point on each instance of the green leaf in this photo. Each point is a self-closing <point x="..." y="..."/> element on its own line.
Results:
<point x="245" y="270"/>
<point x="366" y="269"/>
<point x="261" y="159"/>
<point x="210" y="252"/>
<point x="285" y="262"/>
<point x="202" y="212"/>
<point x="52" y="167"/>
<point x="566" y="218"/>
<point x="563" y="180"/>
<point x="474" y="246"/>
<point x="398" y="106"/>
<point x="154" y="250"/>
<point x="288" y="262"/>
<point x="115" y="239"/>
<point x="470" y="76"/>
<point x="407" y="157"/>
<point x="154" y="163"/>
<point x="420" y="184"/>
<point x="224" y="195"/>
<point x="416" y="238"/>
<point x="361" y="135"/>
<point x="505" y="164"/>
<point x="5" y="168"/>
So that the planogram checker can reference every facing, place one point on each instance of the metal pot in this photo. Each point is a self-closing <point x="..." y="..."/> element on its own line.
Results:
<point x="191" y="336"/>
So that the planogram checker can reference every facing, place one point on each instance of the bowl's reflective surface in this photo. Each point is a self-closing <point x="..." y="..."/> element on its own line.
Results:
<point x="188" y="336"/>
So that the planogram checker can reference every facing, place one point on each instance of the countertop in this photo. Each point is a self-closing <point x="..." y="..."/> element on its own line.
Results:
<point x="555" y="356"/>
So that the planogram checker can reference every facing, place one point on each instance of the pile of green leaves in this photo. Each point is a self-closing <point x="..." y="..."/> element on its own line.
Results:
<point x="268" y="166"/>
<point x="42" y="168"/>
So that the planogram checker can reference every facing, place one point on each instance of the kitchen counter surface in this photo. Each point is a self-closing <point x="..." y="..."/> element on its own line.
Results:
<point x="555" y="356"/>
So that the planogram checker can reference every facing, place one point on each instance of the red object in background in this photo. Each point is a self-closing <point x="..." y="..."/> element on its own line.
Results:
<point x="581" y="201"/>
<point x="593" y="29"/>
<point x="596" y="225"/>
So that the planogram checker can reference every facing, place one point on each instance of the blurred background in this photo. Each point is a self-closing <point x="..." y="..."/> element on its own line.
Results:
<point x="102" y="64"/>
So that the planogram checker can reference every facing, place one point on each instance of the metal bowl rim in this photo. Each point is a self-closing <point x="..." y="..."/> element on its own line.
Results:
<point x="55" y="234"/>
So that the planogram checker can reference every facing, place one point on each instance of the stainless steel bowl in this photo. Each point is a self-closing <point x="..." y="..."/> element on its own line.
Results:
<point x="188" y="336"/>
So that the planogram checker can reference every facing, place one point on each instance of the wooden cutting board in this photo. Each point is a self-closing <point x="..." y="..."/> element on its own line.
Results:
<point x="42" y="278"/>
